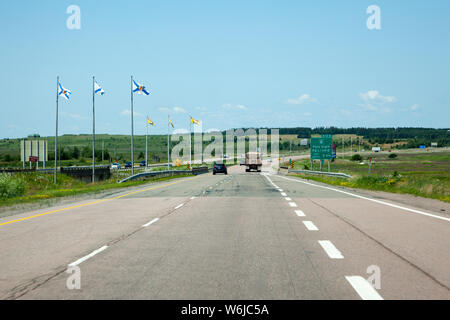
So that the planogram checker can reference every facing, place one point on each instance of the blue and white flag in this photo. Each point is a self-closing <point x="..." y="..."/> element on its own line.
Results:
<point x="98" y="89"/>
<point x="139" y="89"/>
<point x="64" y="92"/>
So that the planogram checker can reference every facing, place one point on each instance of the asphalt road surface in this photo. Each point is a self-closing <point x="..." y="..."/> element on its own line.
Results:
<point x="240" y="236"/>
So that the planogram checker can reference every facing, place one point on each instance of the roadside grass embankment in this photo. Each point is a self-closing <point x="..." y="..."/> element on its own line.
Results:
<point x="32" y="187"/>
<point x="424" y="175"/>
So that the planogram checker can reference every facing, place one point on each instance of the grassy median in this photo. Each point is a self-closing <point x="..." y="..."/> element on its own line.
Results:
<point x="31" y="187"/>
<point x="420" y="174"/>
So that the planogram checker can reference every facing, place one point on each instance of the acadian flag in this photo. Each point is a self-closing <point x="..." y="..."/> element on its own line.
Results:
<point x="150" y="121"/>
<point x="195" y="121"/>
<point x="139" y="89"/>
<point x="171" y="123"/>
<point x="98" y="89"/>
<point x="64" y="92"/>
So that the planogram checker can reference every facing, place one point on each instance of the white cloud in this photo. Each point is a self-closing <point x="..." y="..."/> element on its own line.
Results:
<point x="180" y="131"/>
<point x="172" y="110"/>
<point x="304" y="98"/>
<point x="375" y="101"/>
<point x="230" y="106"/>
<point x="375" y="96"/>
<point x="127" y="112"/>
<point x="74" y="116"/>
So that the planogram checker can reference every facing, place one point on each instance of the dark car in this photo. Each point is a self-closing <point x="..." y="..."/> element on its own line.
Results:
<point x="220" y="168"/>
<point x="143" y="163"/>
<point x="128" y="164"/>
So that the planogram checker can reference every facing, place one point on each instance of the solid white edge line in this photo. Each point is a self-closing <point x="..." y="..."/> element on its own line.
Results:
<point x="179" y="206"/>
<point x="365" y="290"/>
<point x="90" y="255"/>
<point x="293" y="204"/>
<point x="373" y="200"/>
<point x="330" y="249"/>
<point x="310" y="226"/>
<point x="300" y="213"/>
<point x="288" y="199"/>
<point x="192" y="198"/>
<point x="151" y="222"/>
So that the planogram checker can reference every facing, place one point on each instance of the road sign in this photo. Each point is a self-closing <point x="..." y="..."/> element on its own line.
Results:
<point x="33" y="159"/>
<point x="334" y="151"/>
<point x="321" y="148"/>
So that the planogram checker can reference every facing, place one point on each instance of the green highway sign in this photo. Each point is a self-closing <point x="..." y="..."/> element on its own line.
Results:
<point x="322" y="148"/>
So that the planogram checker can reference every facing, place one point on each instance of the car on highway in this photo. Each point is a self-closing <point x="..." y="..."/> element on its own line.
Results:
<point x="143" y="163"/>
<point x="128" y="164"/>
<point x="220" y="168"/>
<point x="115" y="165"/>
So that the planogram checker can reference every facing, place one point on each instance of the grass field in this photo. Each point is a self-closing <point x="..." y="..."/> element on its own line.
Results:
<point x="421" y="174"/>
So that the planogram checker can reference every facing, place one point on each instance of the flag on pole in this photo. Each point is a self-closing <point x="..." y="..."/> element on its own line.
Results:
<point x="195" y="121"/>
<point x="98" y="89"/>
<point x="171" y="123"/>
<point x="140" y="89"/>
<point x="150" y="121"/>
<point x="64" y="92"/>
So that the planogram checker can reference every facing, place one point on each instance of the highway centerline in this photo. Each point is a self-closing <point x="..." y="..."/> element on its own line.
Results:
<point x="330" y="249"/>
<point x="90" y="255"/>
<point x="365" y="290"/>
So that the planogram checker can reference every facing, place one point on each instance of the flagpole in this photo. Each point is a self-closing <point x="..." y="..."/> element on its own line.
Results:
<point x="56" y="132"/>
<point x="190" y="143"/>
<point x="146" y="147"/>
<point x="93" y="129"/>
<point x="132" y="130"/>
<point x="168" y="152"/>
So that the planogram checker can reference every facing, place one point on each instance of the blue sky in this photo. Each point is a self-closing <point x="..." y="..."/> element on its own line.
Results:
<point x="227" y="63"/>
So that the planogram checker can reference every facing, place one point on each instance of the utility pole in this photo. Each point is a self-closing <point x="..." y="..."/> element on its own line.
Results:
<point x="103" y="150"/>
<point x="343" y="148"/>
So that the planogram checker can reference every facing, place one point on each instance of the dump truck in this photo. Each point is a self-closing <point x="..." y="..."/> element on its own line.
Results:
<point x="253" y="161"/>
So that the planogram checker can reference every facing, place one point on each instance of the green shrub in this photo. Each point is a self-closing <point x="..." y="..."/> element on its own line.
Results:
<point x="356" y="157"/>
<point x="11" y="186"/>
<point x="392" y="156"/>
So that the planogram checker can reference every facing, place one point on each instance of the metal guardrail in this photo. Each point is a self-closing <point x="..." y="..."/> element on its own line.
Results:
<point x="331" y="174"/>
<point x="195" y="171"/>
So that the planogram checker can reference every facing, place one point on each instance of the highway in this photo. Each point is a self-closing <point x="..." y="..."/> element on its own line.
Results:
<point x="236" y="236"/>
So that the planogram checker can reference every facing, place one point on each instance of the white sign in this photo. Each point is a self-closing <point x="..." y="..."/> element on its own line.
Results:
<point x="37" y="148"/>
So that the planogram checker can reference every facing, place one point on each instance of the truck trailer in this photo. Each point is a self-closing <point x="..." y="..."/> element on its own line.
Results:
<point x="253" y="161"/>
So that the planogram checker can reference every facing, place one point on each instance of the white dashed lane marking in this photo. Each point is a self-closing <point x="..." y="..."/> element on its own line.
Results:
<point x="365" y="290"/>
<point x="293" y="204"/>
<point x="310" y="226"/>
<point x="179" y="206"/>
<point x="90" y="255"/>
<point x="330" y="249"/>
<point x="299" y="213"/>
<point x="151" y="222"/>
